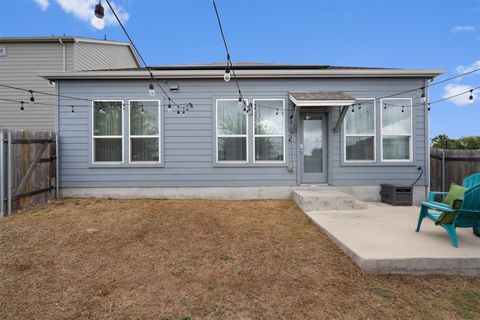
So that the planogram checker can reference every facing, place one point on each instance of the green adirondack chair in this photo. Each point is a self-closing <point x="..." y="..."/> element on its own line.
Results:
<point x="466" y="216"/>
<point x="468" y="182"/>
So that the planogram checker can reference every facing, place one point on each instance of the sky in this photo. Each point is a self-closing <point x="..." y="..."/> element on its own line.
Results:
<point x="403" y="34"/>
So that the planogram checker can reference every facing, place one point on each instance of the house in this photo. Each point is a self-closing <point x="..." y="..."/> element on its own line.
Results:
<point x="23" y="58"/>
<point x="346" y="127"/>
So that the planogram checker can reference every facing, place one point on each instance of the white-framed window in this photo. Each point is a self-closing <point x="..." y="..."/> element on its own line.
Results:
<point x="269" y="130"/>
<point x="107" y="131"/>
<point x="360" y="132"/>
<point x="231" y="124"/>
<point x="144" y="135"/>
<point x="396" y="127"/>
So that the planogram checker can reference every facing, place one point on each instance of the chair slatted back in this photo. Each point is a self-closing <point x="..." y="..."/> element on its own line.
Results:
<point x="469" y="213"/>
<point x="471" y="180"/>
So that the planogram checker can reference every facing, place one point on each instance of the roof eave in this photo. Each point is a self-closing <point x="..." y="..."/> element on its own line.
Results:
<point x="213" y="74"/>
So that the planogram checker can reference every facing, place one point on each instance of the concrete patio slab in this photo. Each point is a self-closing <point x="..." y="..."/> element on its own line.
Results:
<point x="382" y="239"/>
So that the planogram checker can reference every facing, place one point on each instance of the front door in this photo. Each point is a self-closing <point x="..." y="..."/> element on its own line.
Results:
<point x="312" y="147"/>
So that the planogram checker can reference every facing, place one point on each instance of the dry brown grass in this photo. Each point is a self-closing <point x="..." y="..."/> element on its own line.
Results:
<point x="156" y="259"/>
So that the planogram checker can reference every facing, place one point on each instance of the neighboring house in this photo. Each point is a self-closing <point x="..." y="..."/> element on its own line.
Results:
<point x="23" y="58"/>
<point x="125" y="139"/>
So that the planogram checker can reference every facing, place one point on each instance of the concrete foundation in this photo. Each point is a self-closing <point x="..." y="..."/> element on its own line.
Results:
<point x="362" y="193"/>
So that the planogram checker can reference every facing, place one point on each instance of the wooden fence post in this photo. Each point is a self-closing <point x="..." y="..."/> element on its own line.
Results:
<point x="2" y="175"/>
<point x="10" y="172"/>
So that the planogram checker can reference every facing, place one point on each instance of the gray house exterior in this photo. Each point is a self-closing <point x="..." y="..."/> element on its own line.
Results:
<point x="301" y="131"/>
<point x="23" y="58"/>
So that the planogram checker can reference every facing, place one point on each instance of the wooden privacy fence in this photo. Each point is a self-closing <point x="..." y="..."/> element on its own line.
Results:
<point x="447" y="166"/>
<point x="27" y="169"/>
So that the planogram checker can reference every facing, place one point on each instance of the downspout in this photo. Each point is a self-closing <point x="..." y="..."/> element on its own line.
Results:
<point x="64" y="55"/>
<point x="427" y="139"/>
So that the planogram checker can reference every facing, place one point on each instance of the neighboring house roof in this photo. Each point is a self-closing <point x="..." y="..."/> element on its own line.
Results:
<point x="247" y="70"/>
<point x="68" y="39"/>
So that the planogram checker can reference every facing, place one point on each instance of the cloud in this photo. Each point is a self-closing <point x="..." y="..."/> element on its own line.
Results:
<point x="463" y="98"/>
<point x="83" y="10"/>
<point x="43" y="4"/>
<point x="458" y="29"/>
<point x="464" y="69"/>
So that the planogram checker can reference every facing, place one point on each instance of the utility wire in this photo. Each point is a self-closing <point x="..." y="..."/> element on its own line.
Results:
<point x="141" y="57"/>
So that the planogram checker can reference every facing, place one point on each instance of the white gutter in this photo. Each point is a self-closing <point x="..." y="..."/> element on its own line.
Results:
<point x="218" y="74"/>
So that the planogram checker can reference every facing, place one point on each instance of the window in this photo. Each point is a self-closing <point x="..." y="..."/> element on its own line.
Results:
<point x="359" y="126"/>
<point x="269" y="126"/>
<point x="3" y="52"/>
<point x="231" y="128"/>
<point x="107" y="132"/>
<point x="397" y="129"/>
<point x="144" y="131"/>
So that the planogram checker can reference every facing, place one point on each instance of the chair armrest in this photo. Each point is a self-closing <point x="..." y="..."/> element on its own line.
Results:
<point x="438" y="207"/>
<point x="432" y="194"/>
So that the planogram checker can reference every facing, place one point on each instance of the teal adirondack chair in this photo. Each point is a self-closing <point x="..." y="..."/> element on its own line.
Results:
<point x="468" y="182"/>
<point x="466" y="216"/>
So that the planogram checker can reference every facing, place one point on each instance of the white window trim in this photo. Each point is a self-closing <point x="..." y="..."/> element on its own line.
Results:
<point x="270" y="135"/>
<point x="230" y="136"/>
<point x="374" y="135"/>
<point x="158" y="136"/>
<point x="107" y="137"/>
<point x="410" y="136"/>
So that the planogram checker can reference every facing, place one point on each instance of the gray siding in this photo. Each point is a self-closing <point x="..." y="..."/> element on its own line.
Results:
<point x="95" y="56"/>
<point x="23" y="63"/>
<point x="20" y="68"/>
<point x="188" y="150"/>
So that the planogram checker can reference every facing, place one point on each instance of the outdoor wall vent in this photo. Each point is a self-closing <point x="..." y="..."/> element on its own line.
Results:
<point x="174" y="88"/>
<point x="3" y="51"/>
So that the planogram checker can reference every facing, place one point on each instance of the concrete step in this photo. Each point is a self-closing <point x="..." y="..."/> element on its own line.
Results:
<point x="323" y="200"/>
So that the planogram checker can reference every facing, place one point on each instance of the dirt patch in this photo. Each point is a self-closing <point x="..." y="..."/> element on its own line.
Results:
<point x="157" y="259"/>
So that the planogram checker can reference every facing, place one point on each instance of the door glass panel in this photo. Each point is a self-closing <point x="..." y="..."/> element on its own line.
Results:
<point x="312" y="143"/>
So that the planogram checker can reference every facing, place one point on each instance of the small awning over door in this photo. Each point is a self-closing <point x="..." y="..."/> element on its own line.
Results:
<point x="320" y="99"/>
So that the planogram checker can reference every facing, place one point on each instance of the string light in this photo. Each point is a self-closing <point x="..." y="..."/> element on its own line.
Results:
<point x="276" y="113"/>
<point x="403" y="108"/>
<point x="423" y="97"/>
<point x="169" y="108"/>
<point x="471" y="95"/>
<point x="73" y="109"/>
<point x="21" y="106"/>
<point x="97" y="20"/>
<point x="151" y="90"/>
<point x="32" y="99"/>
<point x="227" y="75"/>
<point x="142" y="110"/>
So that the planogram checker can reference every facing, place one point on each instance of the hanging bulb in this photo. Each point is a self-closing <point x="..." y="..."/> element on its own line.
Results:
<point x="32" y="99"/>
<point x="359" y="107"/>
<point x="385" y="106"/>
<point x="142" y="110"/>
<point x="183" y="112"/>
<point x="227" y="76"/>
<point x="21" y="106"/>
<point x="240" y="102"/>
<point x="99" y="11"/>
<point x="97" y="23"/>
<point x="169" y="108"/>
<point x="250" y="107"/>
<point x="151" y="90"/>
<point x="403" y="109"/>
<point x="353" y="109"/>
<point x="423" y="97"/>
<point x="178" y="110"/>
<point x="276" y="113"/>
<point x="73" y="110"/>
<point x="471" y="96"/>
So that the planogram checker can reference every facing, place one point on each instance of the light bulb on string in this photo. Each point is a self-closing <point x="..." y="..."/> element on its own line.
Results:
<point x="471" y="96"/>
<point x="21" y="106"/>
<point x="423" y="97"/>
<point x="151" y="90"/>
<point x="73" y="110"/>
<point x="97" y="20"/>
<point x="227" y="76"/>
<point x="169" y="108"/>
<point x="32" y="99"/>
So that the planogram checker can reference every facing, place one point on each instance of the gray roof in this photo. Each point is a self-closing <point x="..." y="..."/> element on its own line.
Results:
<point x="66" y="39"/>
<point x="321" y="95"/>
